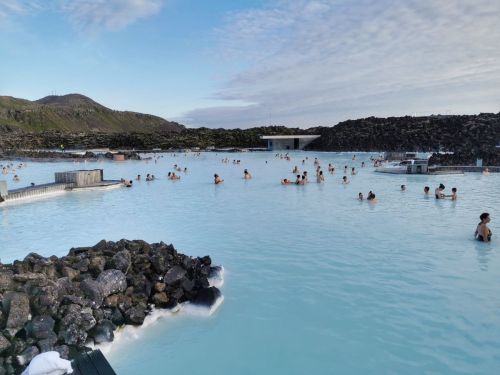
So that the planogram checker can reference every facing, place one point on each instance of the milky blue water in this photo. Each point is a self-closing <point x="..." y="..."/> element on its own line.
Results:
<point x="316" y="282"/>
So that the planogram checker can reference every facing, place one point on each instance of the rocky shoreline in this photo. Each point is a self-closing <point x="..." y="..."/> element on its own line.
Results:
<point x="67" y="303"/>
<point x="54" y="156"/>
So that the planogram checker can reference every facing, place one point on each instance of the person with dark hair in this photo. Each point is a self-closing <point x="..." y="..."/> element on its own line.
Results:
<point x="345" y="181"/>
<point x="286" y="181"/>
<point x="360" y="196"/>
<point x="454" y="195"/>
<point x="483" y="232"/>
<point x="247" y="175"/>
<point x="439" y="192"/>
<point x="320" y="178"/>
<point x="217" y="179"/>
<point x="297" y="181"/>
<point x="371" y="197"/>
<point x="403" y="187"/>
<point x="426" y="190"/>
<point x="305" y="179"/>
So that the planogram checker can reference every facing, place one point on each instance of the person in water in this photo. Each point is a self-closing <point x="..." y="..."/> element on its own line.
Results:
<point x="138" y="178"/>
<point x="426" y="190"/>
<point x="353" y="171"/>
<point x="217" y="179"/>
<point x="371" y="197"/>
<point x="320" y="179"/>
<point x="454" y="195"/>
<point x="360" y="196"/>
<point x="403" y="187"/>
<point x="345" y="181"/>
<point x="297" y="181"/>
<point x="305" y="178"/>
<point x="439" y="192"/>
<point x="486" y="172"/>
<point x="295" y="170"/>
<point x="483" y="232"/>
<point x="247" y="175"/>
<point x="286" y="181"/>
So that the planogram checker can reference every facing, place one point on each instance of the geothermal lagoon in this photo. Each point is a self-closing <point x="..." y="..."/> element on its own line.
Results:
<point x="315" y="281"/>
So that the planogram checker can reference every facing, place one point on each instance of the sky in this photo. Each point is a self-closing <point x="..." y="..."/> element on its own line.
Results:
<point x="244" y="63"/>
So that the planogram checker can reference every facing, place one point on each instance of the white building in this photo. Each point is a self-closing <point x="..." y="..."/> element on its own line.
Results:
<point x="288" y="142"/>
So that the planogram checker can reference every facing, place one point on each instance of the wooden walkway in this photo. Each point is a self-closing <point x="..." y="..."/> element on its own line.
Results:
<point x="92" y="363"/>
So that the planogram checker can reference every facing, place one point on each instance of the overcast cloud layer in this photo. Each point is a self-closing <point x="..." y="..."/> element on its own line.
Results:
<point x="320" y="62"/>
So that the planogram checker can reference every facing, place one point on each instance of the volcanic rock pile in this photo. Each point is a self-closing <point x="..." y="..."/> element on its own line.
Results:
<point x="65" y="303"/>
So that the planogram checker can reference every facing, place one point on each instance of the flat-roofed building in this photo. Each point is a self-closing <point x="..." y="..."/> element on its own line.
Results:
<point x="288" y="142"/>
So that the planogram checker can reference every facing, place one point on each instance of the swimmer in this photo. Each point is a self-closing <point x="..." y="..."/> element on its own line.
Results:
<point x="247" y="175"/>
<point x="403" y="187"/>
<point x="362" y="164"/>
<point x="295" y="170"/>
<point x="372" y="198"/>
<point x="185" y="170"/>
<point x="360" y="196"/>
<point x="16" y="178"/>
<point x="320" y="179"/>
<point x="486" y="172"/>
<point x="345" y="181"/>
<point x="353" y="171"/>
<point x="483" y="232"/>
<point x="286" y="181"/>
<point x="345" y="169"/>
<point x="426" y="190"/>
<point x="454" y="195"/>
<point x="305" y="178"/>
<point x="138" y="178"/>
<point x="297" y="181"/>
<point x="217" y="179"/>
<point x="439" y="192"/>
<point x="175" y="177"/>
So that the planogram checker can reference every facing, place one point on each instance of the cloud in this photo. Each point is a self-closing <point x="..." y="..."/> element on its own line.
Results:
<point x="97" y="15"/>
<point x="10" y="8"/>
<point x="319" y="62"/>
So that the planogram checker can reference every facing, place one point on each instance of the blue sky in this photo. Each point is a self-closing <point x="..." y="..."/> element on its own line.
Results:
<point x="233" y="63"/>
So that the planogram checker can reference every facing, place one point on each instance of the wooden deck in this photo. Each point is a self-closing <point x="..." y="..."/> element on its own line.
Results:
<point x="92" y="363"/>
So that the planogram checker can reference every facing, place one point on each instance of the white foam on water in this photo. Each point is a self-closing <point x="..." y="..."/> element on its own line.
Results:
<point x="217" y="280"/>
<point x="129" y="333"/>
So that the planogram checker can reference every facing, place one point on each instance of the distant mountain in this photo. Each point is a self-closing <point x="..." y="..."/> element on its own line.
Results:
<point x="76" y="113"/>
